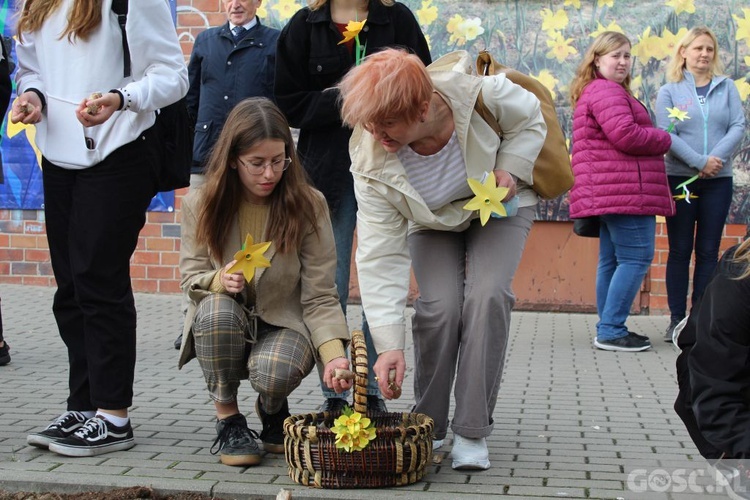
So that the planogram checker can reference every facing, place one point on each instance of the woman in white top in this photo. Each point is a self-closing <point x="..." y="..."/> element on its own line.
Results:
<point x="99" y="159"/>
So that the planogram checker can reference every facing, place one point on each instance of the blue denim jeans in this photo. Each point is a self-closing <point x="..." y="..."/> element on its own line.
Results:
<point x="698" y="224"/>
<point x="344" y="220"/>
<point x="626" y="249"/>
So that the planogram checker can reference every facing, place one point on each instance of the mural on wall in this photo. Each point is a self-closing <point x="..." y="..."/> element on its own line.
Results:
<point x="21" y="160"/>
<point x="546" y="39"/>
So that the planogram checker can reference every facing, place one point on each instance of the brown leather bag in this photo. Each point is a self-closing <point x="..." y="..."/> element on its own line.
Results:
<point x="552" y="173"/>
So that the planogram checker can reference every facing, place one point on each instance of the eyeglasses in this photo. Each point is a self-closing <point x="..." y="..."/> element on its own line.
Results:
<point x="257" y="167"/>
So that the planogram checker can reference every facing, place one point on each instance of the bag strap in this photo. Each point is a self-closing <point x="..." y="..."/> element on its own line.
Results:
<point x="120" y="8"/>
<point x="486" y="67"/>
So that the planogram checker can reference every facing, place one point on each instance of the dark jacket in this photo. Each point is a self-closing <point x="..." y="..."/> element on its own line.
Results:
<point x="309" y="63"/>
<point x="714" y="367"/>
<point x="221" y="75"/>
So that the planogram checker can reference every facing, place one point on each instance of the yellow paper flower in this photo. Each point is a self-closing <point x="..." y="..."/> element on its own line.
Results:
<point x="286" y="8"/>
<point x="669" y="41"/>
<point x="353" y="431"/>
<point x="560" y="47"/>
<point x="677" y="114"/>
<point x="249" y="258"/>
<point x="743" y="88"/>
<point x="604" y="3"/>
<point x="352" y="30"/>
<point x="487" y="199"/>
<point x="648" y="46"/>
<point x="548" y="80"/>
<point x="743" y="26"/>
<point x="573" y="3"/>
<point x="613" y="26"/>
<point x="635" y="85"/>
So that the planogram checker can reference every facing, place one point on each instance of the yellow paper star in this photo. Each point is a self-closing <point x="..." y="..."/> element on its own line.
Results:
<point x="352" y="30"/>
<point x="677" y="114"/>
<point x="250" y="257"/>
<point x="487" y="199"/>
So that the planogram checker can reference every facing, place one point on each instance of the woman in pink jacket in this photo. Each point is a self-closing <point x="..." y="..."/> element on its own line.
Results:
<point x="620" y="177"/>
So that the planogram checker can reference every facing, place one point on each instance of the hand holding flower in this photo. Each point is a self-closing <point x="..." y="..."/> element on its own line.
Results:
<point x="232" y="282"/>
<point x="249" y="257"/>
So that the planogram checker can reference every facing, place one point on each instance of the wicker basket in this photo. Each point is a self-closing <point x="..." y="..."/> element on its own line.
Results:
<point x="397" y="456"/>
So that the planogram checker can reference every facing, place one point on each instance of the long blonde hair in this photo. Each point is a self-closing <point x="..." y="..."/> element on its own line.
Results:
<point x="83" y="19"/>
<point x="676" y="64"/>
<point x="316" y="4"/>
<point x="603" y="44"/>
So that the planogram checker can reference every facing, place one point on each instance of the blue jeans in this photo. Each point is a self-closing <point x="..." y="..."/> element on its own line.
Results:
<point x="626" y="249"/>
<point x="344" y="220"/>
<point x="699" y="223"/>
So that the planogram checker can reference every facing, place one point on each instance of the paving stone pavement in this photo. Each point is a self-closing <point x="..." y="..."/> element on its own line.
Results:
<point x="570" y="422"/>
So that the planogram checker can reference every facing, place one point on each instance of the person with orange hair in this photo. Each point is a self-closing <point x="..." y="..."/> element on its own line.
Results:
<point x="417" y="146"/>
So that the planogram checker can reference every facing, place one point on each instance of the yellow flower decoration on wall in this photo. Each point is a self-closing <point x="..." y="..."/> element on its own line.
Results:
<point x="554" y="21"/>
<point x="286" y="8"/>
<point x="743" y="87"/>
<point x="648" y="46"/>
<point x="613" y="26"/>
<point x="635" y="85"/>
<point x="488" y="198"/>
<point x="743" y="26"/>
<point x="605" y="3"/>
<point x="249" y="258"/>
<point x="262" y="12"/>
<point x="548" y="80"/>
<point x="681" y="6"/>
<point x="572" y="3"/>
<point x="560" y="47"/>
<point x="669" y="41"/>
<point x="427" y="14"/>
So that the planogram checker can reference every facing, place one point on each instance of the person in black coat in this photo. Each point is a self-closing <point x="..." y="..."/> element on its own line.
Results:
<point x="6" y="87"/>
<point x="309" y="63"/>
<point x="713" y="370"/>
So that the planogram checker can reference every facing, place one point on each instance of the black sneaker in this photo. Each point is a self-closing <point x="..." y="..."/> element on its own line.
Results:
<point x="63" y="427"/>
<point x="96" y="437"/>
<point x="272" y="434"/>
<point x="638" y="335"/>
<point x="628" y="343"/>
<point x="235" y="443"/>
<point x="334" y="405"/>
<point x="376" y="404"/>
<point x="670" y="330"/>
<point x="4" y="354"/>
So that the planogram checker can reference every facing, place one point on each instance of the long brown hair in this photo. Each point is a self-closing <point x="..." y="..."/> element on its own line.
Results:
<point x="605" y="43"/>
<point x="294" y="204"/>
<point x="83" y="19"/>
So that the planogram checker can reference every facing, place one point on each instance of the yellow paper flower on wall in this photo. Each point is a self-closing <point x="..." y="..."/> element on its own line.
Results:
<point x="427" y="13"/>
<point x="452" y="27"/>
<point x="613" y="26"/>
<point x="488" y="198"/>
<point x="286" y="8"/>
<point x="605" y="3"/>
<point x="262" y="12"/>
<point x="669" y="40"/>
<point x="681" y="6"/>
<point x="554" y="21"/>
<point x="635" y="85"/>
<point x="560" y="47"/>
<point x="573" y="3"/>
<point x="471" y="28"/>
<point x="463" y="30"/>
<point x="249" y="258"/>
<point x="743" y="26"/>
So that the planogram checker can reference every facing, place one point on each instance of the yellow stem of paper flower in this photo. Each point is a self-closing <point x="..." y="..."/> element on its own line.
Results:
<point x="488" y="198"/>
<point x="249" y="258"/>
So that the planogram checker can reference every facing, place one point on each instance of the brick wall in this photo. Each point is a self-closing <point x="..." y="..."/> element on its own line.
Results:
<point x="24" y="258"/>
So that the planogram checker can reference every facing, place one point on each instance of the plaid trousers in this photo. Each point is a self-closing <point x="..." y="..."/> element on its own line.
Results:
<point x="232" y="344"/>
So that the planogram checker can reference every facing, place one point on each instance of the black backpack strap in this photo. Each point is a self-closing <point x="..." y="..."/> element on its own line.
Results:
<point x="120" y="8"/>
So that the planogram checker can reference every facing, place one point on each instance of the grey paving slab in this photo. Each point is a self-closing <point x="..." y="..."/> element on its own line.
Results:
<point x="571" y="421"/>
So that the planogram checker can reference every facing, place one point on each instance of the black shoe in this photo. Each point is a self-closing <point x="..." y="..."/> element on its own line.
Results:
<point x="236" y="443"/>
<point x="334" y="405"/>
<point x="628" y="343"/>
<point x="96" y="437"/>
<point x="4" y="354"/>
<point x="178" y="342"/>
<point x="272" y="434"/>
<point x="670" y="330"/>
<point x="63" y="427"/>
<point x="638" y="335"/>
<point x="376" y="404"/>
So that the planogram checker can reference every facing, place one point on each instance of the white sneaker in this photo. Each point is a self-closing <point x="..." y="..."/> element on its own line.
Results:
<point x="470" y="454"/>
<point x="437" y="444"/>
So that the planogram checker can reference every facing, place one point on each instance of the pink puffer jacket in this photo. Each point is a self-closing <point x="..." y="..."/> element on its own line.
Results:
<point x="618" y="156"/>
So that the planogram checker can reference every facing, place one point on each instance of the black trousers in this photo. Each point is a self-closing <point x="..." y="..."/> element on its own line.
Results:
<point x="94" y="216"/>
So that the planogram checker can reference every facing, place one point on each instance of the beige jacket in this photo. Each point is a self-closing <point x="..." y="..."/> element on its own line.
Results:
<point x="298" y="291"/>
<point x="389" y="207"/>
